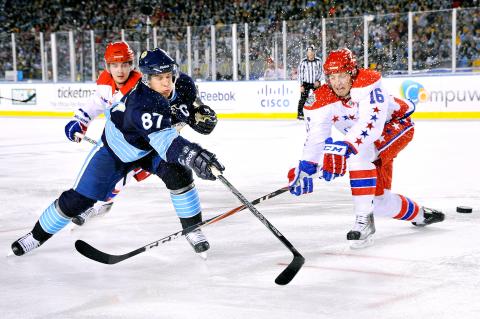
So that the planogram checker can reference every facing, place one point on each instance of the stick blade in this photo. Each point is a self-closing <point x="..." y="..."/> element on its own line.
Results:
<point x="291" y="271"/>
<point x="29" y="98"/>
<point x="94" y="254"/>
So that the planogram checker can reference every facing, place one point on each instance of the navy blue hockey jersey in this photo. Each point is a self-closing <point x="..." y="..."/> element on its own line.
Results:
<point x="140" y="123"/>
<point x="182" y="99"/>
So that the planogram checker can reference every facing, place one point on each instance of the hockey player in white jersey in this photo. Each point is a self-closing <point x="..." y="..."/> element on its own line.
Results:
<point x="113" y="83"/>
<point x="376" y="126"/>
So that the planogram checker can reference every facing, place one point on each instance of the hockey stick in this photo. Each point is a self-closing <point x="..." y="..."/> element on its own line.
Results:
<point x="91" y="252"/>
<point x="23" y="101"/>
<point x="285" y="276"/>
<point x="298" y="260"/>
<point x="86" y="138"/>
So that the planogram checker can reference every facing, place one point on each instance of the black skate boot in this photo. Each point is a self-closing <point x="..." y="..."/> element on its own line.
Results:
<point x="25" y="244"/>
<point x="430" y="216"/>
<point x="198" y="241"/>
<point x="362" y="233"/>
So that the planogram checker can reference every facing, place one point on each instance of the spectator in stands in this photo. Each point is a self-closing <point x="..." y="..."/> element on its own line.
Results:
<point x="197" y="74"/>
<point x="272" y="73"/>
<point x="389" y="28"/>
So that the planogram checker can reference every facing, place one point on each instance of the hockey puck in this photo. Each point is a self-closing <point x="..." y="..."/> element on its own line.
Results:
<point x="464" y="209"/>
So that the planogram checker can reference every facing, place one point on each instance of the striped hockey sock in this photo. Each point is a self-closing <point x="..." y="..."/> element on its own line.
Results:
<point x="409" y="209"/>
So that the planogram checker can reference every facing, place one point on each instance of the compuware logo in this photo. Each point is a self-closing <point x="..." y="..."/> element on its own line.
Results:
<point x="274" y="95"/>
<point x="413" y="91"/>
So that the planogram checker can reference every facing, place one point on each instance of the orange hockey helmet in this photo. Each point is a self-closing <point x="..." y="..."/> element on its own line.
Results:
<point x="339" y="61"/>
<point x="118" y="52"/>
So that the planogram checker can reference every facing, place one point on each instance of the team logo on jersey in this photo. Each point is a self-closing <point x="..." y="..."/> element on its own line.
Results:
<point x="144" y="54"/>
<point x="311" y="99"/>
<point x="413" y="91"/>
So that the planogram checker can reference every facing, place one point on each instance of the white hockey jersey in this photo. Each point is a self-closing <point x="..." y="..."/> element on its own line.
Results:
<point x="105" y="96"/>
<point x="369" y="116"/>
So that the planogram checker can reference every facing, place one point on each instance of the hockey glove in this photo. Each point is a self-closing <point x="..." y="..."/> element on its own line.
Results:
<point x="335" y="158"/>
<point x="200" y="160"/>
<point x="78" y="125"/>
<point x="203" y="119"/>
<point x="301" y="178"/>
<point x="73" y="127"/>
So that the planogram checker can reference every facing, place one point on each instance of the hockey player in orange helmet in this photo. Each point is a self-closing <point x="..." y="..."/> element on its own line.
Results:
<point x="376" y="127"/>
<point x="119" y="61"/>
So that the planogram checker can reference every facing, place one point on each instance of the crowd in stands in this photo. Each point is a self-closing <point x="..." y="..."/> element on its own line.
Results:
<point x="48" y="15"/>
<point x="387" y="30"/>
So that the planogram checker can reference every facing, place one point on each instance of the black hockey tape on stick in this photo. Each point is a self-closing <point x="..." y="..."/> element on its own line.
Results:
<point x="298" y="260"/>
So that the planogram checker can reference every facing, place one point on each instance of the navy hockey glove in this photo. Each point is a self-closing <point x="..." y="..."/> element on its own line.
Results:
<point x="301" y="178"/>
<point x="203" y="119"/>
<point x="78" y="125"/>
<point x="335" y="158"/>
<point x="200" y="160"/>
<point x="73" y="127"/>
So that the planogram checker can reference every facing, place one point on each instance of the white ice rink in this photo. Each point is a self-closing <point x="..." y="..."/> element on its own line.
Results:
<point x="432" y="272"/>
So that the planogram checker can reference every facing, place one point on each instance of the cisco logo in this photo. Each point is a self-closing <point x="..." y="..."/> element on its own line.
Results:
<point x="274" y="95"/>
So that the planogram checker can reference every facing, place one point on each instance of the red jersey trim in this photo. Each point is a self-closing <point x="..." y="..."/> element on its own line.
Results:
<point x="323" y="96"/>
<point x="365" y="78"/>
<point x="105" y="78"/>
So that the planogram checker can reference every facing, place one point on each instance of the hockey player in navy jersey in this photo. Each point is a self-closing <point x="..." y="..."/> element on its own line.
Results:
<point x="138" y="133"/>
<point x="187" y="109"/>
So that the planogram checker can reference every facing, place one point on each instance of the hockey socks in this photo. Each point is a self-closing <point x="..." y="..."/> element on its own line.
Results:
<point x="186" y="204"/>
<point x="52" y="219"/>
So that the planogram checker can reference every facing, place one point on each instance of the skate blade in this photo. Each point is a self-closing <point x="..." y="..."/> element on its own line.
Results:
<point x="203" y="255"/>
<point x="10" y="253"/>
<point x="359" y="244"/>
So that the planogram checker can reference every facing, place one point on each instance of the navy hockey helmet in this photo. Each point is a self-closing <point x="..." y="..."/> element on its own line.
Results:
<point x="157" y="61"/>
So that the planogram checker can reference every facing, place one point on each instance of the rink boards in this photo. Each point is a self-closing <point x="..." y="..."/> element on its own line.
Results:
<point x="436" y="97"/>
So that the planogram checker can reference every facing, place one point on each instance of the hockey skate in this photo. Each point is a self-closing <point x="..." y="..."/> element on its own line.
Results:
<point x="24" y="244"/>
<point x="362" y="233"/>
<point x="430" y="216"/>
<point x="96" y="210"/>
<point x="199" y="242"/>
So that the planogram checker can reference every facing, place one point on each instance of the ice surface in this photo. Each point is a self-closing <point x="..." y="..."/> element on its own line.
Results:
<point x="408" y="273"/>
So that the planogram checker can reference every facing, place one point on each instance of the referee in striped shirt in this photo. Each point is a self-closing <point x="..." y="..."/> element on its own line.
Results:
<point x="309" y="75"/>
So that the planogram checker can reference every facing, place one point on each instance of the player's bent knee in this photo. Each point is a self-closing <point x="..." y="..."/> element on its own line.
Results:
<point x="177" y="177"/>
<point x="73" y="203"/>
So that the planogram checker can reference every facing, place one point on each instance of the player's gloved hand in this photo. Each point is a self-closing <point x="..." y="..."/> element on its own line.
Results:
<point x="200" y="161"/>
<point x="335" y="156"/>
<point x="203" y="119"/>
<point x="300" y="179"/>
<point x="73" y="127"/>
<point x="78" y="125"/>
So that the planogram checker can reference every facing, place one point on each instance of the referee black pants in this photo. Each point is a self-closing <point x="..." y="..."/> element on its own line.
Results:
<point x="303" y="96"/>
